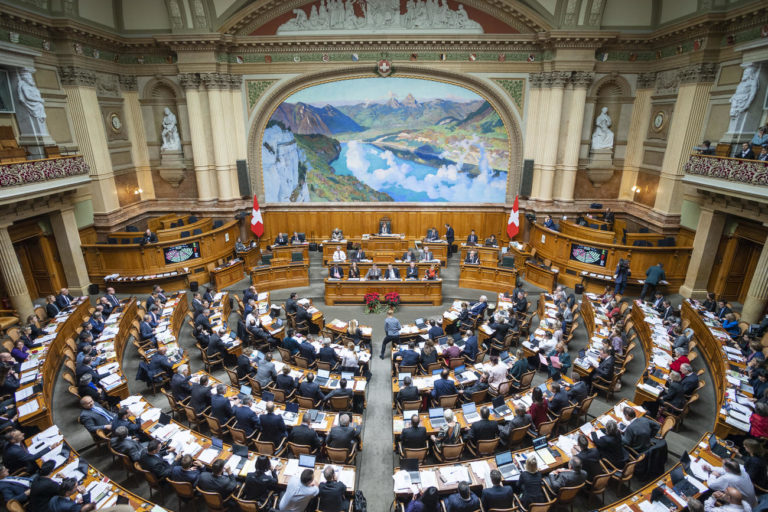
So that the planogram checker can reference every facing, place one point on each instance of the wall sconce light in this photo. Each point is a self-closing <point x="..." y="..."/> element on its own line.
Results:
<point x="635" y="189"/>
<point x="137" y="191"/>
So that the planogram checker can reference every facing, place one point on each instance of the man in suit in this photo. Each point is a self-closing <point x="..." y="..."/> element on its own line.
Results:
<point x="186" y="470"/>
<point x="373" y="273"/>
<point x="435" y="331"/>
<point x="336" y="272"/>
<point x="180" y="387"/>
<point x="589" y="457"/>
<point x="443" y="385"/>
<point x="410" y="256"/>
<point x="200" y="397"/>
<point x="124" y="444"/>
<point x="307" y="351"/>
<point x="414" y="436"/>
<point x="462" y="501"/>
<point x="15" y="454"/>
<point x="571" y="476"/>
<point x="498" y="495"/>
<point x="578" y="391"/>
<point x="408" y="356"/>
<point x="64" y="299"/>
<point x="483" y="429"/>
<point x="197" y="304"/>
<point x="86" y="367"/>
<point x="303" y="315"/>
<point x="604" y="370"/>
<point x="478" y="308"/>
<point x="357" y="254"/>
<point x="432" y="235"/>
<point x="284" y="380"/>
<point x="690" y="381"/>
<point x="290" y="343"/>
<point x="216" y="344"/>
<point x="746" y="152"/>
<point x="427" y="255"/>
<point x="412" y="272"/>
<point x="160" y="363"/>
<point x="408" y="392"/>
<point x="722" y="309"/>
<point x="244" y="366"/>
<point x="123" y="420"/>
<point x="149" y="238"/>
<point x="472" y="258"/>
<point x="304" y="434"/>
<point x="521" y="303"/>
<point x="559" y="398"/>
<point x="273" y="427"/>
<point x="342" y="390"/>
<point x="97" y="323"/>
<point x="14" y="487"/>
<point x="520" y="419"/>
<point x="549" y="223"/>
<point x="112" y="297"/>
<point x="343" y="435"/>
<point x="331" y="495"/>
<point x="154" y="462"/>
<point x="450" y="237"/>
<point x="658" y="302"/>
<point x="391" y="331"/>
<point x="146" y="332"/>
<point x="220" y="480"/>
<point x="480" y="384"/>
<point x="247" y="420"/>
<point x="51" y="308"/>
<point x="43" y="488"/>
<point x="282" y="239"/>
<point x="311" y="389"/>
<point x="653" y="276"/>
<point x="472" y="238"/>
<point x="203" y="320"/>
<point x="221" y="407"/>
<point x="327" y="354"/>
<point x="392" y="272"/>
<point x="639" y="431"/>
<point x="94" y="417"/>
<point x="667" y="311"/>
<point x="265" y="373"/>
<point x="152" y="300"/>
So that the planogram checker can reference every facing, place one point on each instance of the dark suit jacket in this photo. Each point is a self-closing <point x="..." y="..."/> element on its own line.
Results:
<point x="302" y="434"/>
<point x="179" y="475"/>
<point x="129" y="447"/>
<point x="605" y="368"/>
<point x="483" y="429"/>
<point x="291" y="305"/>
<point x="201" y="319"/>
<point x="342" y="437"/>
<point x="638" y="434"/>
<point x="155" y="465"/>
<point x="200" y="397"/>
<point x="690" y="383"/>
<point x="145" y="331"/>
<point x="578" y="392"/>
<point x="472" y="259"/>
<point x="61" y="301"/>
<point x="247" y="420"/>
<point x="92" y="421"/>
<point x="52" y="310"/>
<point x="470" y="347"/>
<point x="272" y="427"/>
<point x="180" y="387"/>
<point x="17" y="457"/>
<point x="82" y="369"/>
<point x="285" y="382"/>
<point x="455" y="503"/>
<point x="331" y="496"/>
<point x="244" y="366"/>
<point x="449" y="235"/>
<point x="221" y="408"/>
<point x="610" y="448"/>
<point x="566" y="479"/>
<point x="386" y="275"/>
<point x="498" y="496"/>
<point x="258" y="485"/>
<point x="414" y="437"/>
<point x="41" y="492"/>
<point x="311" y="390"/>
<point x="412" y="273"/>
<point x="222" y="484"/>
<point x="558" y="401"/>
<point x="471" y="239"/>
<point x="409" y="357"/>
<point x="408" y="394"/>
<point x="443" y="387"/>
<point x="328" y="355"/>
<point x="530" y="487"/>
<point x="159" y="364"/>
<point x="12" y="491"/>
<point x="336" y="272"/>
<point x="590" y="461"/>
<point x="307" y="351"/>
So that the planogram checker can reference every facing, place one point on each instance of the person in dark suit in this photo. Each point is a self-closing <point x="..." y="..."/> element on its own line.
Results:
<point x="589" y="457"/>
<point x="307" y="351"/>
<point x="302" y="315"/>
<point x="391" y="272"/>
<point x="578" y="391"/>
<point x="498" y="495"/>
<point x="342" y="390"/>
<point x="14" y="488"/>
<point x="153" y="461"/>
<point x="180" y="387"/>
<point x="304" y="434"/>
<point x="653" y="276"/>
<point x="244" y="366"/>
<point x="327" y="354"/>
<point x="197" y="304"/>
<point x="247" y="420"/>
<point x="291" y="305"/>
<point x="605" y="368"/>
<point x="123" y="420"/>
<point x="690" y="381"/>
<point x="64" y="299"/>
<point x="559" y="398"/>
<point x="520" y="419"/>
<point x="15" y="454"/>
<point x="94" y="417"/>
<point x="121" y="442"/>
<point x="216" y="344"/>
<point x="343" y="435"/>
<point x="478" y="307"/>
<point x="746" y="152"/>
<point x="221" y="407"/>
<point x="412" y="272"/>
<point x="472" y="258"/>
<point x="357" y="254"/>
<point x="152" y="300"/>
<point x="521" y="303"/>
<point x="408" y="356"/>
<point x="529" y="486"/>
<point x="572" y="476"/>
<point x="414" y="436"/>
<point x="160" y="363"/>
<point x="435" y="331"/>
<point x="186" y="470"/>
<point x="281" y="239"/>
<point x="146" y="331"/>
<point x="336" y="272"/>
<point x="202" y="319"/>
<point x="284" y="381"/>
<point x="85" y="367"/>
<point x="470" y="348"/>
<point x="639" y="431"/>
<point x="450" y="237"/>
<point x="491" y="241"/>
<point x="217" y="481"/>
<point x="610" y="445"/>
<point x="722" y="309"/>
<point x="149" y="238"/>
<point x="200" y="396"/>
<point x="484" y="429"/>
<point x="331" y="496"/>
<point x="472" y="238"/>
<point x="261" y="481"/>
<point x="443" y="385"/>
<point x="408" y="392"/>
<point x="51" y="308"/>
<point x="463" y="500"/>
<point x="273" y="427"/>
<point x="311" y="389"/>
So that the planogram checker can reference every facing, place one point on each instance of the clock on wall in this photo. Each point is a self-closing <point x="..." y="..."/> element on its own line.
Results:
<point x="659" y="120"/>
<point x="114" y="122"/>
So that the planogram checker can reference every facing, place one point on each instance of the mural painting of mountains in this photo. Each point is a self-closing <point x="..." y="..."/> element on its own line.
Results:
<point x="399" y="139"/>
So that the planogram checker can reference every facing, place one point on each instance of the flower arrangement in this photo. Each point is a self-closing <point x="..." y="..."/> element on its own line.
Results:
<point x="392" y="300"/>
<point x="372" y="302"/>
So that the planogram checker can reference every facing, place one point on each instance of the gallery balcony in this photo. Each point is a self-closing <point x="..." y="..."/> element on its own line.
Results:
<point x="728" y="176"/>
<point x="28" y="179"/>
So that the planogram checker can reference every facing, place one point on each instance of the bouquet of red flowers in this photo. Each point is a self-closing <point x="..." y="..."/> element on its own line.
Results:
<point x="372" y="302"/>
<point x="392" y="300"/>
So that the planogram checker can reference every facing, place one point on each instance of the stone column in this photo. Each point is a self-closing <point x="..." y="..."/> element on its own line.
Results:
<point x="684" y="134"/>
<point x="581" y="81"/>
<point x="545" y="92"/>
<point x="552" y="122"/>
<point x="12" y="275"/>
<point x="757" y="296"/>
<point x="134" y="125"/>
<point x="64" y="227"/>
<point x="238" y="116"/>
<point x="532" y="120"/>
<point x="206" y="180"/>
<point x="216" y="84"/>
<point x="84" y="111"/>
<point x="709" y="231"/>
<point x="638" y="126"/>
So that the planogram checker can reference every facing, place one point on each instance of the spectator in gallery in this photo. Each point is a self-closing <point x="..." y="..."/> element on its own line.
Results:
<point x="760" y="138"/>
<point x="746" y="152"/>
<point x="763" y="156"/>
<point x="549" y="223"/>
<point x="706" y="148"/>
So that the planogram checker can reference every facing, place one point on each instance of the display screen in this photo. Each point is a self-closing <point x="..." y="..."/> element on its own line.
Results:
<point x="591" y="255"/>
<point x="183" y="252"/>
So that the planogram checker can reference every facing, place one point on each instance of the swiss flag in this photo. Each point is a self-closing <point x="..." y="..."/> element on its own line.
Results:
<point x="257" y="223"/>
<point x="513" y="224"/>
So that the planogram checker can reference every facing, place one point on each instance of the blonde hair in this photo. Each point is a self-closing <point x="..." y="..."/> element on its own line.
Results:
<point x="530" y="465"/>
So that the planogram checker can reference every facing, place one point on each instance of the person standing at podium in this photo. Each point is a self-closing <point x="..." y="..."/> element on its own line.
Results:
<point x="449" y="237"/>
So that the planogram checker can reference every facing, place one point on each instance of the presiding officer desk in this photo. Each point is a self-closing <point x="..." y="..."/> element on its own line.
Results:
<point x="280" y="274"/>
<point x="198" y="253"/>
<point x="411" y="291"/>
<point x="487" y="277"/>
<point x="573" y="255"/>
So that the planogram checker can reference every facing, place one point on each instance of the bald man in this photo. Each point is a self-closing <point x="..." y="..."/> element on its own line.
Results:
<point x="729" y="500"/>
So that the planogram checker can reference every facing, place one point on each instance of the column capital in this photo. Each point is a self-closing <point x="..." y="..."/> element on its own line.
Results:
<point x="128" y="83"/>
<point x="215" y="80"/>
<point x="704" y="72"/>
<point x="235" y="81"/>
<point x="189" y="80"/>
<point x="582" y="78"/>
<point x="72" y="75"/>
<point x="560" y="78"/>
<point x="646" y="80"/>
<point x="536" y="79"/>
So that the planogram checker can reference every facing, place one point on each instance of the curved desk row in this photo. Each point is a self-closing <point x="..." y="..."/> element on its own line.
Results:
<point x="200" y="254"/>
<point x="411" y="291"/>
<point x="280" y="275"/>
<point x="164" y="235"/>
<point x="484" y="277"/>
<point x="573" y="255"/>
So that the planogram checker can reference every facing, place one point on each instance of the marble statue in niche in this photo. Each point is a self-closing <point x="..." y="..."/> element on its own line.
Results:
<point x="602" y="137"/>
<point x="30" y="98"/>
<point x="745" y="91"/>
<point x="170" y="134"/>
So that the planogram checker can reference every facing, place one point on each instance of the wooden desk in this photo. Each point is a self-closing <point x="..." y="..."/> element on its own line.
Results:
<point x="385" y="246"/>
<point x="489" y="256"/>
<point x="280" y="275"/>
<point x="586" y="233"/>
<point x="167" y="233"/>
<point x="285" y="252"/>
<point x="329" y="247"/>
<point x="596" y="283"/>
<point x="347" y="291"/>
<point x="484" y="277"/>
<point x="540" y="276"/>
<point x="250" y="257"/>
<point x="521" y="255"/>
<point x="365" y="266"/>
<point x="227" y="275"/>
<point x="174" y="281"/>
<point x="439" y="250"/>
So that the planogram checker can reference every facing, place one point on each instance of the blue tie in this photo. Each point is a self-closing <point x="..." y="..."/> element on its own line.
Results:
<point x="104" y="413"/>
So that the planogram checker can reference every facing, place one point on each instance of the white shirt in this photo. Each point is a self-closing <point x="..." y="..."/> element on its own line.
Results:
<point x="497" y="375"/>
<point x="348" y="358"/>
<point x="711" y="506"/>
<point x="720" y="480"/>
<point x="339" y="256"/>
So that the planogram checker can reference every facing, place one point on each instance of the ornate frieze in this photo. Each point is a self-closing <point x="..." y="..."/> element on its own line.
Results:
<point x="128" y="83"/>
<point x="71" y="75"/>
<point x="646" y="80"/>
<point x="698" y="73"/>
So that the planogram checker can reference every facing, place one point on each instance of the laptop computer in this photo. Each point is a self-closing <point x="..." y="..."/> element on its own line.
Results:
<point x="420" y="323"/>
<point x="348" y="375"/>
<point x="718" y="449"/>
<point x="436" y="417"/>
<point x="680" y="484"/>
<point x="470" y="412"/>
<point x="245" y="390"/>
<point x="267" y="396"/>
<point x="458" y="373"/>
<point x="401" y="377"/>
<point x="540" y="443"/>
<point x="442" y="340"/>
<point x="291" y="412"/>
<point x="500" y="406"/>
<point x="322" y="377"/>
<point x="412" y="467"/>
<point x="582" y="354"/>
<point x="437" y="372"/>
<point x="504" y="356"/>
<point x="164" y="418"/>
<point x="307" y="461"/>
<point x="240" y="450"/>
<point x="506" y="465"/>
<point x="217" y="444"/>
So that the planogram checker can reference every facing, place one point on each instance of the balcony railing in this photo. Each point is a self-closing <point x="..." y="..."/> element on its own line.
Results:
<point x="750" y="172"/>
<point x="35" y="171"/>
